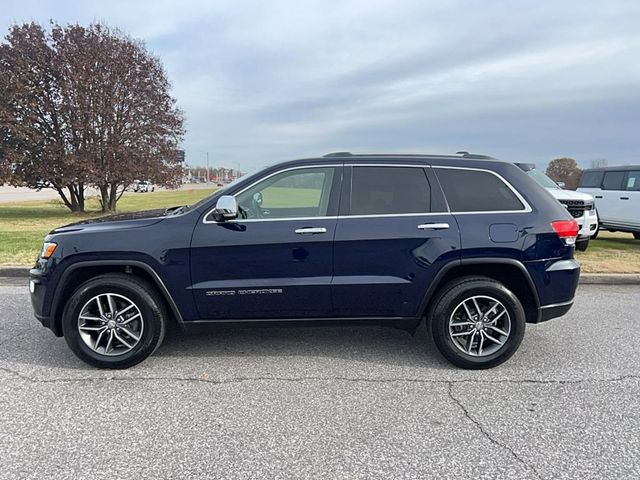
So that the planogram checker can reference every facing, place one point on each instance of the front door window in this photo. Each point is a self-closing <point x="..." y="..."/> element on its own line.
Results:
<point x="298" y="193"/>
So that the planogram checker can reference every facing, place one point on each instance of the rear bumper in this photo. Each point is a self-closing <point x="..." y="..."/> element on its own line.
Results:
<point x="556" y="286"/>
<point x="548" y="312"/>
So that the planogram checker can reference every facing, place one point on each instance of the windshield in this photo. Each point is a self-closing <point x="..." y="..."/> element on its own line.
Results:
<point x="542" y="179"/>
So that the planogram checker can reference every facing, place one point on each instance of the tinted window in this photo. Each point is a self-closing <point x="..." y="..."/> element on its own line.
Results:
<point x="476" y="191"/>
<point x="633" y="181"/>
<point x="302" y="192"/>
<point x="591" y="179"/>
<point x="613" y="180"/>
<point x="389" y="190"/>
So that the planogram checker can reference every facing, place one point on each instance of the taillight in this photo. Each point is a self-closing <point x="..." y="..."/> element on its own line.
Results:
<point x="567" y="230"/>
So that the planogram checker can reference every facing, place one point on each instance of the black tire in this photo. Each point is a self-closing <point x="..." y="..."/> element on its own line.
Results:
<point x="149" y="302"/>
<point x="582" y="245"/>
<point x="595" y="234"/>
<point x="636" y="235"/>
<point x="451" y="296"/>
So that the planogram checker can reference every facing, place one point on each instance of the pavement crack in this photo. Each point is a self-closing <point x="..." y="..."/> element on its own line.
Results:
<point x="205" y="378"/>
<point x="486" y="434"/>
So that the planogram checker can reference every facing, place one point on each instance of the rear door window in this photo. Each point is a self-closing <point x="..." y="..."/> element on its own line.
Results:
<point x="613" y="180"/>
<point x="389" y="190"/>
<point x="477" y="191"/>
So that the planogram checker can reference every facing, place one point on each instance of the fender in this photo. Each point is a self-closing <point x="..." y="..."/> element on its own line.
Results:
<point x="479" y="261"/>
<point x="119" y="263"/>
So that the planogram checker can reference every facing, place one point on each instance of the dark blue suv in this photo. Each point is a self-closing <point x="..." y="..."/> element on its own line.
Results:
<point x="467" y="242"/>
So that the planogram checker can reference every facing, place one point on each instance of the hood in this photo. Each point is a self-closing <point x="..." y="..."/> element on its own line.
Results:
<point x="560" y="194"/>
<point x="119" y="221"/>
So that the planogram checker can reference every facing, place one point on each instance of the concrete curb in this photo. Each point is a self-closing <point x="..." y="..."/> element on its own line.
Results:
<point x="14" y="272"/>
<point x="585" y="278"/>
<point x="610" y="279"/>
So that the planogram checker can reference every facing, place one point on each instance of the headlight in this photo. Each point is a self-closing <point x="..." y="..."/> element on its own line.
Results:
<point x="47" y="249"/>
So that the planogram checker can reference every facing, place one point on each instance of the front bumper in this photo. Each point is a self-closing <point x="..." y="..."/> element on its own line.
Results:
<point x="38" y="290"/>
<point x="587" y="224"/>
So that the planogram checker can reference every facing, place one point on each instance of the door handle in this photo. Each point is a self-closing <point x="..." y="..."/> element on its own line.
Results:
<point x="598" y="196"/>
<point x="310" y="230"/>
<point x="624" y="198"/>
<point x="433" y="226"/>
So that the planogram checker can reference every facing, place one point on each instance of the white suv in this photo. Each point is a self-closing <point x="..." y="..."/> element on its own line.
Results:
<point x="617" y="194"/>
<point x="580" y="205"/>
<point x="143" y="187"/>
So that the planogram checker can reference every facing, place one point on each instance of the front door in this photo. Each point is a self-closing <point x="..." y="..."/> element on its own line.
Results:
<point x="393" y="235"/>
<point x="275" y="261"/>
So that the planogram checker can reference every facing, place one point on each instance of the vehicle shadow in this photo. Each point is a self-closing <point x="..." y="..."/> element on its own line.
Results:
<point x="378" y="345"/>
<point x="364" y="344"/>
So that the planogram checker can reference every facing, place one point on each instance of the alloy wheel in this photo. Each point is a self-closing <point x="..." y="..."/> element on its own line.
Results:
<point x="480" y="325"/>
<point x="110" y="324"/>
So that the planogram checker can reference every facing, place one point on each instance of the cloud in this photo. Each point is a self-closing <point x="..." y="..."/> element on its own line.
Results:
<point x="263" y="81"/>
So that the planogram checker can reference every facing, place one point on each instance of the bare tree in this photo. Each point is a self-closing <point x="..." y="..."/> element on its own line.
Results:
<point x="598" y="163"/>
<point x="565" y="170"/>
<point x="86" y="107"/>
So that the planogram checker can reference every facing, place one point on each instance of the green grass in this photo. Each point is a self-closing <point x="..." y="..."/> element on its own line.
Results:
<point x="24" y="225"/>
<point x="275" y="197"/>
<point x="611" y="253"/>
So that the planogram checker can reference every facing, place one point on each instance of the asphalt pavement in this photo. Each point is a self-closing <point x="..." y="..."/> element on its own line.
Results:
<point x="350" y="403"/>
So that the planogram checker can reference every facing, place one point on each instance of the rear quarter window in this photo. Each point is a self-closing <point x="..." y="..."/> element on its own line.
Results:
<point x="477" y="191"/>
<point x="633" y="181"/>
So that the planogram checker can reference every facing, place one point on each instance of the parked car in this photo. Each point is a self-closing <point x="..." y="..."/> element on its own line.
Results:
<point x="467" y="242"/>
<point x="580" y="205"/>
<point x="617" y="195"/>
<point x="144" y="187"/>
<point x="40" y="184"/>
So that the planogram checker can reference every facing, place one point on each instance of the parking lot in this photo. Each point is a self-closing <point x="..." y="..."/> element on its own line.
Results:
<point x="328" y="403"/>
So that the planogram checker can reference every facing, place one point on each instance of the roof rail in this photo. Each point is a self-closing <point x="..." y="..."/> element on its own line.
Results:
<point x="474" y="155"/>
<point x="458" y="155"/>
<point x="338" y="154"/>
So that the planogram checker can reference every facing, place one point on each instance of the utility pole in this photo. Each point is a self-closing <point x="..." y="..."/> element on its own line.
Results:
<point x="207" y="167"/>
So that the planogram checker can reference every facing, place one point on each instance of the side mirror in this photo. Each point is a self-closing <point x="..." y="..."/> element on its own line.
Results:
<point x="562" y="185"/>
<point x="226" y="208"/>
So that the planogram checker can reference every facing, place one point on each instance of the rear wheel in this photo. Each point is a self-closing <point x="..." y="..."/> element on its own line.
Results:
<point x="114" y="321"/>
<point x="477" y="322"/>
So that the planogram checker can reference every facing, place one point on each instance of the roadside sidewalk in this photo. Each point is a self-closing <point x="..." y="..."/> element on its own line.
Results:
<point x="18" y="275"/>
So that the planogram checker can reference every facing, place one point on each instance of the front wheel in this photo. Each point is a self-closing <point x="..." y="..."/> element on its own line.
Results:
<point x="636" y="235"/>
<point x="114" y="321"/>
<point x="477" y="323"/>
<point x="582" y="245"/>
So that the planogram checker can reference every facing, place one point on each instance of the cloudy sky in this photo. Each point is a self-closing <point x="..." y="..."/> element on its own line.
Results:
<point x="262" y="81"/>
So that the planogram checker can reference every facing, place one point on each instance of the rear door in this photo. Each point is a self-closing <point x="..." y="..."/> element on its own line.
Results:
<point x="276" y="261"/>
<point x="393" y="234"/>
<point x="631" y="197"/>
<point x="612" y="204"/>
